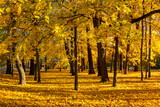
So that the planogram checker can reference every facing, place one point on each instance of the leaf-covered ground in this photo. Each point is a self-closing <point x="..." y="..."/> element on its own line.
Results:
<point x="57" y="89"/>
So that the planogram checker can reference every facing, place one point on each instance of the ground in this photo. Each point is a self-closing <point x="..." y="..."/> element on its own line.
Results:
<point x="57" y="89"/>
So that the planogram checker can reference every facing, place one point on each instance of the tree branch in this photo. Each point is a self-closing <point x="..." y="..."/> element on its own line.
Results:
<point x="144" y="16"/>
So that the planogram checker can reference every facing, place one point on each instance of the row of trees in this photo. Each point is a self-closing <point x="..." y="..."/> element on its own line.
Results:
<point x="77" y="32"/>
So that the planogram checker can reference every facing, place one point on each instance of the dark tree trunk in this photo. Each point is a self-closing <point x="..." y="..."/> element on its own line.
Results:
<point x="149" y="56"/>
<point x="46" y="64"/>
<point x="115" y="63"/>
<point x="9" y="67"/>
<point x="105" y="78"/>
<point x="141" y="55"/>
<point x="38" y="66"/>
<point x="23" y="64"/>
<point x="31" y="67"/>
<point x="71" y="59"/>
<point x="83" y="64"/>
<point x="136" y="67"/>
<point x="112" y="62"/>
<point x="75" y="54"/>
<point x="91" y="69"/>
<point x="35" y="72"/>
<point x="146" y="47"/>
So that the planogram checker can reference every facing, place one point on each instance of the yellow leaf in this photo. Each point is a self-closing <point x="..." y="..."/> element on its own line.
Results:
<point x="19" y="10"/>
<point x="8" y="9"/>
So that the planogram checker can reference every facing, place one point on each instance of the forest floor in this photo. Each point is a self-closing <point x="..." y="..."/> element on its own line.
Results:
<point x="57" y="89"/>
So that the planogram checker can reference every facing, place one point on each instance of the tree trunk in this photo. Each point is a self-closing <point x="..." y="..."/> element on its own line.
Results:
<point x="38" y="66"/>
<point x="75" y="54"/>
<point x="71" y="59"/>
<point x="23" y="64"/>
<point x="115" y="63"/>
<point x="126" y="64"/>
<point x="35" y="72"/>
<point x="149" y="56"/>
<point x="31" y="67"/>
<point x="46" y="64"/>
<point x="21" y="71"/>
<point x="142" y="46"/>
<point x="83" y="64"/>
<point x="136" y="67"/>
<point x="111" y="63"/>
<point x="9" y="67"/>
<point x="141" y="54"/>
<point x="91" y="69"/>
<point x="146" y="47"/>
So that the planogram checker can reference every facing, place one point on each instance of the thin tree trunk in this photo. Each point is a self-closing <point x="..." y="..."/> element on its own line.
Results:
<point x="126" y="64"/>
<point x="38" y="66"/>
<point x="83" y="64"/>
<point x="32" y="67"/>
<point x="115" y="63"/>
<point x="46" y="64"/>
<point x="149" y="56"/>
<point x="71" y="59"/>
<point x="75" y="54"/>
<point x="112" y="62"/>
<point x="35" y="72"/>
<point x="146" y="47"/>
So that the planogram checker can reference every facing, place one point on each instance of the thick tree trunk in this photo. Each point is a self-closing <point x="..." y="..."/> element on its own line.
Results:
<point x="99" y="59"/>
<point x="115" y="63"/>
<point x="21" y="71"/>
<point x="75" y="54"/>
<point x="136" y="67"/>
<point x="9" y="67"/>
<point x="38" y="66"/>
<point x="91" y="69"/>
<point x="31" y="67"/>
<point x="23" y="64"/>
<point x="106" y="78"/>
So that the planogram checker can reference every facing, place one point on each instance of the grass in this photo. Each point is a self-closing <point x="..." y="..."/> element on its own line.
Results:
<point x="57" y="89"/>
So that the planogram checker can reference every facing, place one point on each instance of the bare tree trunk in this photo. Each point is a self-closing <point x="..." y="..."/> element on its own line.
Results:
<point x="141" y="60"/>
<point x="115" y="63"/>
<point x="75" y="54"/>
<point x="35" y="72"/>
<point x="31" y="67"/>
<point x="38" y="66"/>
<point x="23" y="64"/>
<point x="91" y="69"/>
<point x="146" y="47"/>
<point x="9" y="70"/>
<point x="46" y="64"/>
<point x="149" y="56"/>
<point x="126" y="64"/>
<point x="112" y="62"/>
